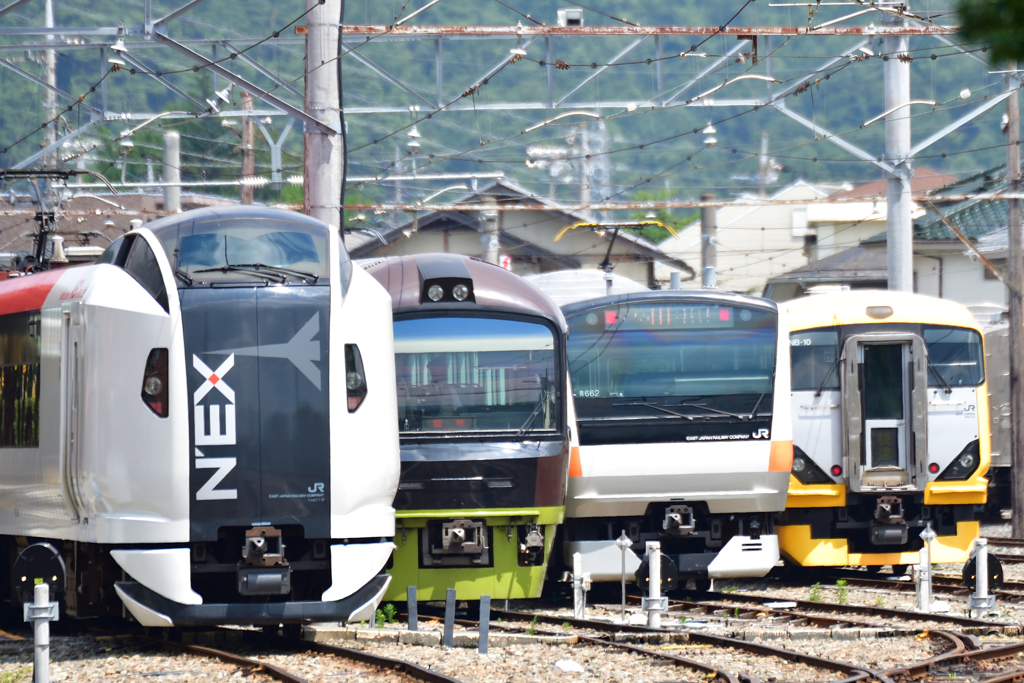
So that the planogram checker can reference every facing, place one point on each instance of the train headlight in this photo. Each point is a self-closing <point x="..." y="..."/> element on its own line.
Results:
<point x="435" y="292"/>
<point x="153" y="385"/>
<point x="964" y="465"/>
<point x="460" y="292"/>
<point x="799" y="465"/>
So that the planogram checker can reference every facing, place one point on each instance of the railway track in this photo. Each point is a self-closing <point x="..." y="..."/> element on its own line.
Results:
<point x="955" y="644"/>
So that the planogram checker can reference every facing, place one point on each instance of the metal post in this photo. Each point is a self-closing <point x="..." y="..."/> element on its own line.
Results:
<point x="709" y="241"/>
<point x="1016" y="274"/>
<point x="489" y="237"/>
<point x="578" y="608"/>
<point x="172" y="171"/>
<point x="654" y="589"/>
<point x="981" y="601"/>
<point x="245" y="192"/>
<point x="323" y="152"/>
<point x="924" y="571"/>
<point x="449" y="617"/>
<point x="39" y="613"/>
<point x="623" y="542"/>
<point x="485" y="622"/>
<point x="411" y="607"/>
<point x="675" y="279"/>
<point x="897" y="152"/>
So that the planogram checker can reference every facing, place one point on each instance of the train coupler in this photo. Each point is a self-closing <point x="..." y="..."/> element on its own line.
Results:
<point x="889" y="526"/>
<point x="679" y="520"/>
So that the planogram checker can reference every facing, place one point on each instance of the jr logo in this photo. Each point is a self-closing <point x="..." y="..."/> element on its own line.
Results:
<point x="760" y="434"/>
<point x="217" y="436"/>
<point x="316" y="488"/>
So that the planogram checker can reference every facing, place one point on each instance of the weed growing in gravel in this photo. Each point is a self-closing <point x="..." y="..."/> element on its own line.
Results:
<point x="14" y="676"/>
<point x="814" y="595"/>
<point x="736" y="611"/>
<point x="389" y="612"/>
<point x="880" y="601"/>
<point x="566" y="625"/>
<point x="682" y="620"/>
<point x="531" y="630"/>
<point x="730" y="589"/>
<point x="842" y="592"/>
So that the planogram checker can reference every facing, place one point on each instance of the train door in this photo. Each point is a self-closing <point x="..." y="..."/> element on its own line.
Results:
<point x="885" y="396"/>
<point x="70" y="349"/>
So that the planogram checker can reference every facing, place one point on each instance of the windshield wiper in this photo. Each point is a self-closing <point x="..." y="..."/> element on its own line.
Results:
<point x="184" y="276"/>
<point x="279" y="269"/>
<point x="242" y="269"/>
<point x="664" y="408"/>
<point x="771" y="381"/>
<point x="942" y="380"/>
<point x="533" y="415"/>
<point x="825" y="379"/>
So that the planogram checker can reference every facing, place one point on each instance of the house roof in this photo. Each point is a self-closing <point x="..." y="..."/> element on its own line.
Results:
<point x="856" y="263"/>
<point x="924" y="180"/>
<point x="364" y="243"/>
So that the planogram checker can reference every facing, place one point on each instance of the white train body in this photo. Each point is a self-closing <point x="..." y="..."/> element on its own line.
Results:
<point x="161" y="492"/>
<point x="681" y="401"/>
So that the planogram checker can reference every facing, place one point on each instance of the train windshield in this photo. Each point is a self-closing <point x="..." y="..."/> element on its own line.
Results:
<point x="244" y="249"/>
<point x="954" y="355"/>
<point x="681" y="360"/>
<point x="474" y="374"/>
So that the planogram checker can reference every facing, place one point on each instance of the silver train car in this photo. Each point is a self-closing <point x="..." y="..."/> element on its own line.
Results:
<point x="202" y="423"/>
<point x="682" y="404"/>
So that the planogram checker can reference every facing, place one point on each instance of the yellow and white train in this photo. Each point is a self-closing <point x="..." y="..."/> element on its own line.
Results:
<point x="890" y="429"/>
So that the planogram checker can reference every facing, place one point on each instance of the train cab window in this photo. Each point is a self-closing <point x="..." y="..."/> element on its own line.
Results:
<point x="142" y="265"/>
<point x="469" y="374"/>
<point x="815" y="355"/>
<point x="955" y="353"/>
<point x="19" y="380"/>
<point x="116" y="251"/>
<point x="247" y="249"/>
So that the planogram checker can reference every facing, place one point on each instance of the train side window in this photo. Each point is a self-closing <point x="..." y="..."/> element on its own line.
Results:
<point x="143" y="266"/>
<point x="19" y="380"/>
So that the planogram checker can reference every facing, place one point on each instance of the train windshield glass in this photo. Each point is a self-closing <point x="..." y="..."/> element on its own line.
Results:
<point x="955" y="353"/>
<point x="650" y="360"/>
<point x="815" y="356"/>
<point x="247" y="249"/>
<point x="471" y="374"/>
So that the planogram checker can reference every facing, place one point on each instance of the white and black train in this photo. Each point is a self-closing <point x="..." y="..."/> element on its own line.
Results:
<point x="203" y="423"/>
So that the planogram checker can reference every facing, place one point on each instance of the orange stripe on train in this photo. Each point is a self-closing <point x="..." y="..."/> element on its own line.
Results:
<point x="781" y="457"/>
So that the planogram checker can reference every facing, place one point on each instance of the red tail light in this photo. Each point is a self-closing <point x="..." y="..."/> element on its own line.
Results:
<point x="355" y="378"/>
<point x="154" y="382"/>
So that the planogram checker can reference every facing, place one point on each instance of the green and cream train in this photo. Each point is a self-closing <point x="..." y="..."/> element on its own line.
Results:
<point x="484" y="423"/>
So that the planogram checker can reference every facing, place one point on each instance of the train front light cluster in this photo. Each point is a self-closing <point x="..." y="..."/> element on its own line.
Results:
<point x="962" y="467"/>
<point x="806" y="470"/>
<point x="442" y="290"/>
<point x="154" y="382"/>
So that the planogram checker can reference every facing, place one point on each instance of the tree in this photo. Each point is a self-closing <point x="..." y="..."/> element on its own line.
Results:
<point x="654" y="233"/>
<point x="997" y="23"/>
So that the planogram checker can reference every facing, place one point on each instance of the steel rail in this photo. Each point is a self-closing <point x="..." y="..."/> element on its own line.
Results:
<point x="1006" y="542"/>
<point x="712" y="608"/>
<point x="971" y="656"/>
<point x="863" y="609"/>
<point x="274" y="672"/>
<point x="854" y="673"/>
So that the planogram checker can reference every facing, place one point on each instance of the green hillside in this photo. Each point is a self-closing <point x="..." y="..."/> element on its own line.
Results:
<point x="672" y="157"/>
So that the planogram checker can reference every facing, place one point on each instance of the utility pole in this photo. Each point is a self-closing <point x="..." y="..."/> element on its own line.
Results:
<point x="245" y="191"/>
<point x="172" y="171"/>
<point x="709" y="241"/>
<point x="489" y="237"/>
<point x="49" y="95"/>
<point x="1013" y="223"/>
<point x="322" y="153"/>
<point x="897" y="152"/>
